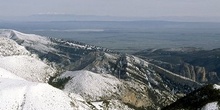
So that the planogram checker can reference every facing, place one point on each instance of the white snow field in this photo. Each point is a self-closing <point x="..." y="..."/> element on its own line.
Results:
<point x="215" y="86"/>
<point x="27" y="67"/>
<point x="211" y="106"/>
<point x="6" y="74"/>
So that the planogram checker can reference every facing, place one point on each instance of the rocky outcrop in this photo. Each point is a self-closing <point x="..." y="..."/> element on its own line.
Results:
<point x="188" y="71"/>
<point x="174" y="77"/>
<point x="195" y="73"/>
<point x="200" y="74"/>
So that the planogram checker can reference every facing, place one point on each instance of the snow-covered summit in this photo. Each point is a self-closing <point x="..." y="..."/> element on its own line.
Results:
<point x="91" y="86"/>
<point x="28" y="40"/>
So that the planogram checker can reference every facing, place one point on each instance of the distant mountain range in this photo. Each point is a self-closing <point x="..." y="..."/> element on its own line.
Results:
<point x="70" y="17"/>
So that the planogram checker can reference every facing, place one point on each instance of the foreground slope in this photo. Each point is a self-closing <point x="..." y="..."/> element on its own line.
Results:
<point x="205" y="98"/>
<point x="20" y="94"/>
<point x="27" y="95"/>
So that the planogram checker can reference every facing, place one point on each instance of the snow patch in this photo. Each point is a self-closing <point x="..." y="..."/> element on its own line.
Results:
<point x="215" y="86"/>
<point x="98" y="105"/>
<point x="211" y="106"/>
<point x="137" y="60"/>
<point x="75" y="45"/>
<point x="109" y="56"/>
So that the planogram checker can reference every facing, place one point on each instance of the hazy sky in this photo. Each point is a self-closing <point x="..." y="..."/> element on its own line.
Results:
<point x="138" y="8"/>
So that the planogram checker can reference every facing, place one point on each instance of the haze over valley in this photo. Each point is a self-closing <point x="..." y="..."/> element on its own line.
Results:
<point x="127" y="36"/>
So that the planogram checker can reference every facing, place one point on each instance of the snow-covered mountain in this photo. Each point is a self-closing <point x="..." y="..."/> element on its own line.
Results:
<point x="82" y="82"/>
<point x="82" y="76"/>
<point x="26" y="62"/>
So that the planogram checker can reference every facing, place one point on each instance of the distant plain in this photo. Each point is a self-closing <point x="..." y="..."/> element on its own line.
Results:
<point x="127" y="36"/>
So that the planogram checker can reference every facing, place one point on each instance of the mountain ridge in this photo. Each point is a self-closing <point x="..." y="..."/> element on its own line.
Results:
<point x="123" y="80"/>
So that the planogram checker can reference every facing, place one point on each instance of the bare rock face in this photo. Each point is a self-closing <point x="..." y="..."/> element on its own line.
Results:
<point x="201" y="74"/>
<point x="198" y="73"/>
<point x="195" y="73"/>
<point x="188" y="71"/>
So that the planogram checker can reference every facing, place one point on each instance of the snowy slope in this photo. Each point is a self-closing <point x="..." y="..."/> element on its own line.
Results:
<point x="211" y="106"/>
<point x="27" y="95"/>
<point x="27" y="67"/>
<point x="90" y="85"/>
<point x="9" y="47"/>
<point x="6" y="74"/>
<point x="19" y="94"/>
<point x="17" y="59"/>
<point x="215" y="86"/>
